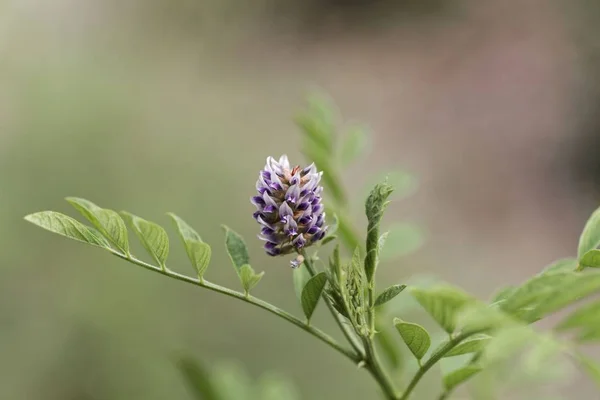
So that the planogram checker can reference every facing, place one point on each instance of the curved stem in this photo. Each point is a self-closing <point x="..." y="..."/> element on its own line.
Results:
<point x="374" y="367"/>
<point x="248" y="299"/>
<point x="432" y="361"/>
<point x="338" y="318"/>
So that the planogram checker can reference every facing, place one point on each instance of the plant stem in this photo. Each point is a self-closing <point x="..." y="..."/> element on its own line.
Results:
<point x="338" y="318"/>
<point x="444" y="395"/>
<point x="432" y="361"/>
<point x="374" y="367"/>
<point x="248" y="299"/>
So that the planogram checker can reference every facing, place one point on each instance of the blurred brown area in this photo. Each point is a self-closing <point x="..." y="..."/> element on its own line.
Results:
<point x="155" y="106"/>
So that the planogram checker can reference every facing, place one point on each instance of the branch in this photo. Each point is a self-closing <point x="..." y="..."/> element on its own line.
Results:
<point x="248" y="299"/>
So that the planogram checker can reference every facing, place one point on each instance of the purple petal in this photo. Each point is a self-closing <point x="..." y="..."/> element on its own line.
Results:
<point x="285" y="212"/>
<point x="299" y="242"/>
<point x="269" y="209"/>
<point x="263" y="222"/>
<point x="257" y="201"/>
<point x="305" y="219"/>
<point x="310" y="169"/>
<point x="313" y="229"/>
<point x="291" y="228"/>
<point x="267" y="231"/>
<point x="303" y="206"/>
<point x="317" y="208"/>
<point x="293" y="194"/>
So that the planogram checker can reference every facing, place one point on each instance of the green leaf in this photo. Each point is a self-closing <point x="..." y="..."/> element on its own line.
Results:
<point x="503" y="294"/>
<point x="591" y="367"/>
<point x="357" y="263"/>
<point x="355" y="144"/>
<point x="249" y="278"/>
<point x="152" y="236"/>
<point x="534" y="290"/>
<point x="66" y="226"/>
<point x="415" y="336"/>
<point x="590" y="237"/>
<point x="443" y="303"/>
<point x="455" y="378"/>
<point x="591" y="259"/>
<point x="562" y="265"/>
<point x="586" y="316"/>
<point x="198" y="380"/>
<point x="312" y="292"/>
<point x="374" y="208"/>
<point x="388" y="294"/>
<point x="301" y="277"/>
<point x="577" y="288"/>
<point x="327" y="239"/>
<point x="402" y="239"/>
<point x="236" y="248"/>
<point x="472" y="344"/>
<point x="186" y="232"/>
<point x="198" y="252"/>
<point x="108" y="222"/>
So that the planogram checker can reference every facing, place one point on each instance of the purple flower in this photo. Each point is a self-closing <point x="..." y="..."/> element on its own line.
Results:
<point x="289" y="207"/>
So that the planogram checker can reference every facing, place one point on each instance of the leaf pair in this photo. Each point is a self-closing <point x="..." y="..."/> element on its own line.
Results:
<point x="238" y="253"/>
<point x="109" y="232"/>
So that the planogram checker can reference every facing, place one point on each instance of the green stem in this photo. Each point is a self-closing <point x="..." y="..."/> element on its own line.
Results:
<point x="444" y="395"/>
<point x="248" y="299"/>
<point x="374" y="367"/>
<point x="338" y="318"/>
<point x="432" y="361"/>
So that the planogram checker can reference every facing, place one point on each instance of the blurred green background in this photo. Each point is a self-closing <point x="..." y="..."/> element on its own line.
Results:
<point x="154" y="106"/>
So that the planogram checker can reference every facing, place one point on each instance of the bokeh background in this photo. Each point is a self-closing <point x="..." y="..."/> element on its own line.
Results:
<point x="173" y="105"/>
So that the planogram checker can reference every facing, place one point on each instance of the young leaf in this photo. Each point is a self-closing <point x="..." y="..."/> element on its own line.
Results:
<point x="354" y="145"/>
<point x="300" y="276"/>
<point x="66" y="226"/>
<point x="404" y="183"/>
<point x="472" y="344"/>
<point x="374" y="208"/>
<point x="575" y="289"/>
<point x="108" y="222"/>
<point x="327" y="239"/>
<point x="590" y="237"/>
<point x="536" y="289"/>
<point x="591" y="259"/>
<point x="562" y="265"/>
<point x="312" y="292"/>
<point x="586" y="316"/>
<point x="455" y="378"/>
<point x="153" y="237"/>
<point x="186" y="232"/>
<point x="198" y="252"/>
<point x="388" y="294"/>
<point x="502" y="294"/>
<point x="236" y="248"/>
<point x="443" y="303"/>
<point x="415" y="336"/>
<point x="249" y="278"/>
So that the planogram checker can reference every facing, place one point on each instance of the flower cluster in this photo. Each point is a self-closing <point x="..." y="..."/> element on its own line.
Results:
<point x="289" y="207"/>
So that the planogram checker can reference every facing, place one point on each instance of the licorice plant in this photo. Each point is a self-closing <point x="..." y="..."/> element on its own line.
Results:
<point x="302" y="214"/>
